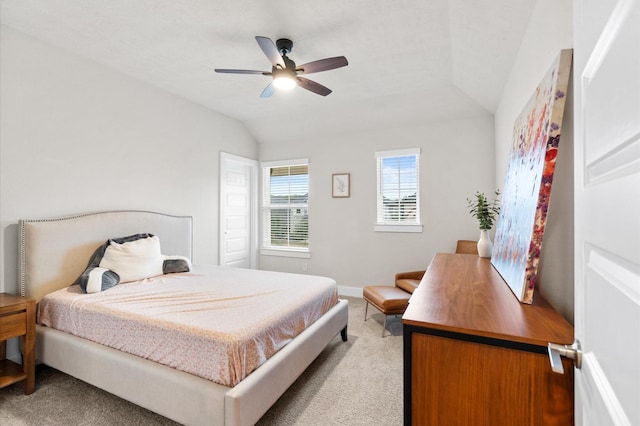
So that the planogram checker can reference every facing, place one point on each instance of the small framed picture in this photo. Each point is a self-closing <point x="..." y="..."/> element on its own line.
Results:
<point x="340" y="185"/>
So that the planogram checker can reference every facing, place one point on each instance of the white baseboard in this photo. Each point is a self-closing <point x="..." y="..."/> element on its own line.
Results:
<point x="349" y="291"/>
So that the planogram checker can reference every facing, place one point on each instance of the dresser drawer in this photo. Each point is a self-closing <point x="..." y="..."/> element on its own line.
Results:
<point x="13" y="325"/>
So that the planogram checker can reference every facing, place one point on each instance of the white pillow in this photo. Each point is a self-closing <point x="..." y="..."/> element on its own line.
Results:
<point x="134" y="260"/>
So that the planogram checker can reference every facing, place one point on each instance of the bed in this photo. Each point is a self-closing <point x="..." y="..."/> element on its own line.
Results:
<point x="54" y="252"/>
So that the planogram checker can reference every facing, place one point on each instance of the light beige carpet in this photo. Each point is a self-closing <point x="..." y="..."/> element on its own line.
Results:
<point x="354" y="383"/>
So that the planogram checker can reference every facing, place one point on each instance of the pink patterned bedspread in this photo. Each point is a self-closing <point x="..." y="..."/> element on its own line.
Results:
<point x="217" y="323"/>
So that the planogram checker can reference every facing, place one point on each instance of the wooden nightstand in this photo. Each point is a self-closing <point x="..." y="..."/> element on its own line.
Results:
<point x="18" y="319"/>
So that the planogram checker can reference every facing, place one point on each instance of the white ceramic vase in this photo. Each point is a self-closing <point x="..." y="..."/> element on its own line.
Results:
<point x="485" y="246"/>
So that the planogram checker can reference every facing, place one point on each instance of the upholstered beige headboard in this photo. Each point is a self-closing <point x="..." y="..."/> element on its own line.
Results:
<point x="52" y="253"/>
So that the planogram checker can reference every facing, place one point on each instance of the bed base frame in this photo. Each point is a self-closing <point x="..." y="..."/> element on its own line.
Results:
<point x="53" y="252"/>
<point x="180" y="396"/>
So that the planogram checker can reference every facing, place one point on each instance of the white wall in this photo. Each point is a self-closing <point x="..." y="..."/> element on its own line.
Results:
<point x="457" y="159"/>
<point x="549" y="31"/>
<point x="78" y="137"/>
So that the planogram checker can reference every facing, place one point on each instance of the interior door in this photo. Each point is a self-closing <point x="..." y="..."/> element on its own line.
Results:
<point x="607" y="210"/>
<point x="238" y="211"/>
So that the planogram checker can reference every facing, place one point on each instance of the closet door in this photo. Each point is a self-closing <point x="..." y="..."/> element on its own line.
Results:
<point x="238" y="211"/>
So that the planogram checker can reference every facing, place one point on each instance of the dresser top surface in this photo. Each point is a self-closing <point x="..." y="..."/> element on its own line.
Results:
<point x="463" y="293"/>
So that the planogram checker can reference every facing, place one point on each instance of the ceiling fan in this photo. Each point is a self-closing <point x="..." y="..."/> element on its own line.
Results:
<point x="285" y="73"/>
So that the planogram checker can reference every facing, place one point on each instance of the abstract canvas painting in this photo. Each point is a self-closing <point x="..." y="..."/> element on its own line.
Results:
<point x="527" y="185"/>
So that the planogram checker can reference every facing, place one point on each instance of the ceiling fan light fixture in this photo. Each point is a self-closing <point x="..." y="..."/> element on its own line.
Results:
<point x="284" y="81"/>
<point x="285" y="73"/>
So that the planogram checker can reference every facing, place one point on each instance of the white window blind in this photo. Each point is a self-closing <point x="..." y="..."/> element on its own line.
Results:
<point x="398" y="200"/>
<point x="286" y="206"/>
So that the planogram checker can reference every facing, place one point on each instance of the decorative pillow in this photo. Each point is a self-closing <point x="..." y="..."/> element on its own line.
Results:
<point x="107" y="280"/>
<point x="94" y="280"/>
<point x="133" y="258"/>
<point x="174" y="264"/>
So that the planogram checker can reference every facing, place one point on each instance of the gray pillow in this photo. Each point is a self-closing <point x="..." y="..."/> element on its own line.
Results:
<point x="95" y="280"/>
<point x="175" y="264"/>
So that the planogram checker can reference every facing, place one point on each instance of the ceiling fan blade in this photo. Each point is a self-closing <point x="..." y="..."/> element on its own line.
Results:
<point x="312" y="86"/>
<point x="323" y="65"/>
<point x="268" y="91"/>
<point x="232" y="71"/>
<point x="271" y="51"/>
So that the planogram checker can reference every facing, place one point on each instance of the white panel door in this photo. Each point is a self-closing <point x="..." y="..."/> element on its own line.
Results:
<point x="238" y="211"/>
<point x="607" y="210"/>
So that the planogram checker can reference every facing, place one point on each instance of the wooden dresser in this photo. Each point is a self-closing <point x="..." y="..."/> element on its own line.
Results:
<point x="474" y="355"/>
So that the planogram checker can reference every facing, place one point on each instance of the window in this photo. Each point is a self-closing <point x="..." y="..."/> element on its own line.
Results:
<point x="285" y="208"/>
<point x="398" y="201"/>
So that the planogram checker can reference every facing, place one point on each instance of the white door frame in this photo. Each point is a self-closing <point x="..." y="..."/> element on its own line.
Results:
<point x="225" y="158"/>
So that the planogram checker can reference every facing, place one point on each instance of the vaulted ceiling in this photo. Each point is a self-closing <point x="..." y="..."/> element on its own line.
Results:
<point x="409" y="60"/>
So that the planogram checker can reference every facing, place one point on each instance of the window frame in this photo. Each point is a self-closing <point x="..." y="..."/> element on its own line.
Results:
<point x="393" y="226"/>
<point x="266" y="207"/>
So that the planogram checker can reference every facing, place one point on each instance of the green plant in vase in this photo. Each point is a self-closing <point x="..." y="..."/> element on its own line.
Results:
<point x="485" y="211"/>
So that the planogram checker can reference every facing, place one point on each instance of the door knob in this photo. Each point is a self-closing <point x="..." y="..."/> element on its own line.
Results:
<point x="572" y="351"/>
